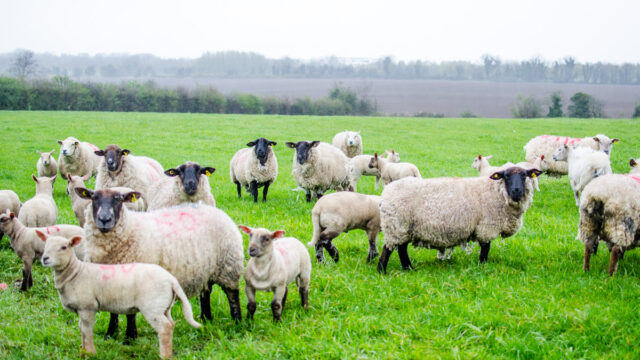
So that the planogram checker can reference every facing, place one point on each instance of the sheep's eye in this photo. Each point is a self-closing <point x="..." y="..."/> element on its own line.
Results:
<point x="3" y="219"/>
<point x="63" y="248"/>
<point x="265" y="239"/>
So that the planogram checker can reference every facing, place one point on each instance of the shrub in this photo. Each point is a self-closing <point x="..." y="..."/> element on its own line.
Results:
<point x="526" y="108"/>
<point x="585" y="106"/>
<point x="467" y="114"/>
<point x="555" y="110"/>
<point x="636" y="111"/>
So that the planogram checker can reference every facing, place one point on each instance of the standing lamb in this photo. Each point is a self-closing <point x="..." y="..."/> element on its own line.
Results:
<point x="350" y="142"/>
<point x="254" y="167"/>
<point x="47" y="165"/>
<point x="77" y="158"/>
<point x="610" y="211"/>
<point x="86" y="288"/>
<point x="633" y="163"/>
<point x="187" y="183"/>
<point x="9" y="200"/>
<point x="360" y="166"/>
<point x="585" y="164"/>
<point x="318" y="167"/>
<point x="442" y="213"/>
<point x="199" y="244"/>
<point x="340" y="212"/>
<point x="41" y="209"/>
<point x="393" y="171"/>
<point x="547" y="144"/>
<point x="273" y="265"/>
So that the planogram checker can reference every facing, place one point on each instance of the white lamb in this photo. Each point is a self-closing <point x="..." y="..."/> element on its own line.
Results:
<point x="633" y="163"/>
<point x="350" y="142"/>
<point x="86" y="288"/>
<point x="187" y="183"/>
<point x="585" y="164"/>
<point x="360" y="166"/>
<point x="393" y="171"/>
<point x="77" y="158"/>
<point x="47" y="165"/>
<point x="40" y="210"/>
<point x="9" y="200"/>
<point x="254" y="167"/>
<point x="273" y="265"/>
<point x="481" y="164"/>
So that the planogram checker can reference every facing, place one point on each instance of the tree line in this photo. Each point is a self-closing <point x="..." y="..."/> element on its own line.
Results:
<point x="582" y="105"/>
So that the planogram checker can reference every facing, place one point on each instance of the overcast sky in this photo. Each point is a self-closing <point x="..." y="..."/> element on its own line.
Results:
<point x="589" y="30"/>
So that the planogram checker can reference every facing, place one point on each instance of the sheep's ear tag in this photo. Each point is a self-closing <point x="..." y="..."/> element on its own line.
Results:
<point x="133" y="198"/>
<point x="207" y="172"/>
<point x="496" y="176"/>
<point x="172" y="172"/>
<point x="533" y="175"/>
<point x="85" y="193"/>
<point x="615" y="141"/>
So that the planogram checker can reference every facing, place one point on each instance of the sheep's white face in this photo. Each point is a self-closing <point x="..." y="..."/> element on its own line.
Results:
<point x="353" y="139"/>
<point x="6" y="225"/>
<point x="57" y="251"/>
<point x="562" y="154"/>
<point x="393" y="157"/>
<point x="260" y="240"/>
<point x="480" y="161"/>
<point x="46" y="157"/>
<point x="69" y="146"/>
<point x="605" y="143"/>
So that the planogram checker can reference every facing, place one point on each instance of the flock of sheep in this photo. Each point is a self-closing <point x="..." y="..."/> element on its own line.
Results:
<point x="148" y="235"/>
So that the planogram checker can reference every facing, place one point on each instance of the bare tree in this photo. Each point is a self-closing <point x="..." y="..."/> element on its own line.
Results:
<point x="24" y="64"/>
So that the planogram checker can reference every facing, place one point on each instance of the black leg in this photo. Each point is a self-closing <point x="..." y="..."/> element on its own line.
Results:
<point x="284" y="298"/>
<point x="318" y="194"/>
<point x="113" y="326"/>
<point x="239" y="187"/>
<point x="594" y="249"/>
<point x="308" y="195"/>
<point x="319" y="251"/>
<point x="233" y="295"/>
<point x="404" y="257"/>
<point x="332" y="250"/>
<point x="132" y="329"/>
<point x="251" y="309"/>
<point x="264" y="191"/>
<point x="304" y="297"/>
<point x="253" y="187"/>
<point x="205" y="304"/>
<point x="276" y="308"/>
<point x="25" y="281"/>
<point x="613" y="261"/>
<point x="588" y="250"/>
<point x="384" y="260"/>
<point x="484" y="251"/>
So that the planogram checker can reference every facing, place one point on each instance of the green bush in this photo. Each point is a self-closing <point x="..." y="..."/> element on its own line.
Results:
<point x="526" y="108"/>
<point x="585" y="106"/>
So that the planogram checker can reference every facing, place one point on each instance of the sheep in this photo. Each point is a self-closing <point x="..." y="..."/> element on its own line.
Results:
<point x="77" y="158"/>
<point x="610" y="211"/>
<point x="481" y="164"/>
<point x="393" y="171"/>
<point x="199" y="244"/>
<point x="47" y="165"/>
<point x="119" y="168"/>
<point x="540" y="163"/>
<point x="350" y="142"/>
<point x="360" y="166"/>
<point x="318" y="166"/>
<point x="547" y="144"/>
<point x="585" y="164"/>
<point x="86" y="288"/>
<point x="187" y="183"/>
<point x="26" y="245"/>
<point x="633" y="163"/>
<point x="272" y="266"/>
<point x="41" y="209"/>
<point x="340" y="212"/>
<point x="442" y="213"/>
<point x="9" y="200"/>
<point x="79" y="205"/>
<point x="254" y="167"/>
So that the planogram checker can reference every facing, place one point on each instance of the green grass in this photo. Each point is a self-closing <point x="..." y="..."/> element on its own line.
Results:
<point x="531" y="300"/>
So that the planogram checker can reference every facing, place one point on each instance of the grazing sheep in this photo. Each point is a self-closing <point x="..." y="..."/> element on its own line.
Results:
<point x="633" y="163"/>
<point x="86" y="288"/>
<point x="350" y="142"/>
<point x="47" y="165"/>
<point x="585" y="164"/>
<point x="393" y="171"/>
<point x="77" y="158"/>
<point x="318" y="167"/>
<point x="119" y="168"/>
<point x="547" y="144"/>
<point x="442" y="213"/>
<point x="9" y="200"/>
<point x="273" y="265"/>
<point x="610" y="212"/>
<point x="26" y="245"/>
<point x="340" y="212"/>
<point x="199" y="244"/>
<point x="360" y="166"/>
<point x="187" y="183"/>
<point x="481" y="164"/>
<point x="41" y="209"/>
<point x="254" y="167"/>
<point x="540" y="163"/>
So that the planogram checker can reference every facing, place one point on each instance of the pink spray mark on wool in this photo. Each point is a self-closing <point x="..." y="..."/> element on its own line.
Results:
<point x="51" y="228"/>
<point x="177" y="221"/>
<point x="634" y="178"/>
<point x="284" y="253"/>
<point x="562" y="139"/>
<point x="93" y="147"/>
<point x="109" y="271"/>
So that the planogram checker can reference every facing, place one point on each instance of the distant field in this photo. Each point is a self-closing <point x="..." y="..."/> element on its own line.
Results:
<point x="531" y="299"/>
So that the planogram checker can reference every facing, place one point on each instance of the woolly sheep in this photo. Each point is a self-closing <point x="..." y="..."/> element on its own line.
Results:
<point x="187" y="183"/>
<point x="41" y="209"/>
<point x="442" y="213"/>
<point x="47" y="165"/>
<point x="28" y="247"/>
<point x="273" y="265"/>
<point x="318" y="167"/>
<point x="77" y="158"/>
<point x="633" y="163"/>
<point x="340" y="212"/>
<point x="393" y="171"/>
<point x="86" y="288"/>
<point x="481" y="164"/>
<point x="547" y="144"/>
<point x="350" y="142"/>
<point x="585" y="164"/>
<point x="9" y="200"/>
<point x="254" y="167"/>
<point x="360" y="166"/>
<point x="199" y="244"/>
<point x="610" y="212"/>
<point x="540" y="163"/>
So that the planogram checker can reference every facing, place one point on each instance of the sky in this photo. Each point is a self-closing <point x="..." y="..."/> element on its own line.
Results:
<point x="588" y="30"/>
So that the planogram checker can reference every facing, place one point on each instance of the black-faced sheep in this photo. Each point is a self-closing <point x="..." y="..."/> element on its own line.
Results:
<point x="254" y="167"/>
<point x="187" y="183"/>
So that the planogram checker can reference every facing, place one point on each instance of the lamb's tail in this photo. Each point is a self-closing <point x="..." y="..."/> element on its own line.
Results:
<point x="186" y="306"/>
<point x="315" y="220"/>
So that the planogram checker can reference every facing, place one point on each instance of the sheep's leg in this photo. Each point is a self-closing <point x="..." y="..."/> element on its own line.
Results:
<point x="27" y="264"/>
<point x="239" y="188"/>
<point x="304" y="296"/>
<point x="253" y="188"/>
<point x="265" y="190"/>
<point x="284" y="298"/>
<point x="616" y="251"/>
<point x="86" y="323"/>
<point x="164" y="327"/>
<point x="484" y="251"/>
<point x="594" y="250"/>
<point x="588" y="250"/>
<point x="332" y="250"/>
<point x="576" y="194"/>
<point x="404" y="257"/>
<point x="384" y="259"/>
<point x="308" y="195"/>
<point x="319" y="194"/>
<point x="205" y="303"/>
<point x="132" y="330"/>
<point x="372" y="234"/>
<point x="233" y="296"/>
<point x="319" y="252"/>
<point x="113" y="326"/>
<point x="377" y="182"/>
<point x="276" y="304"/>
<point x="251" y="300"/>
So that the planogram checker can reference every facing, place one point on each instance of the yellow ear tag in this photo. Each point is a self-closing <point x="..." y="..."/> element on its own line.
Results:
<point x="533" y="175"/>
<point x="84" y="193"/>
<point x="615" y="141"/>
<point x="206" y="172"/>
<point x="171" y="172"/>
<point x="495" y="176"/>
<point x="133" y="198"/>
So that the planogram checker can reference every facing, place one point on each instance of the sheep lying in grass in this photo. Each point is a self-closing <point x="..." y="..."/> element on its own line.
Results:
<point x="340" y="212"/>
<point x="393" y="171"/>
<point x="273" y="265"/>
<point x="77" y="158"/>
<point x="47" y="165"/>
<point x="610" y="212"/>
<point x="9" y="200"/>
<point x="442" y="213"/>
<point x="585" y="164"/>
<point x="360" y="166"/>
<point x="633" y="163"/>
<point x="187" y="183"/>
<point x="86" y="288"/>
<point x="254" y="167"/>
<point x="26" y="245"/>
<point x="350" y="142"/>
<point x="481" y="164"/>
<point x="40" y="210"/>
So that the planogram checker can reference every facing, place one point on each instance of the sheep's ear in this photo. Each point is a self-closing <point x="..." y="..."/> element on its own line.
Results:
<point x="633" y="163"/>
<point x="53" y="179"/>
<point x="615" y="141"/>
<point x="125" y="152"/>
<point x="11" y="215"/>
<point x="39" y="153"/>
<point x="99" y="152"/>
<point x="488" y="157"/>
<point x="86" y="177"/>
<point x="84" y="193"/>
<point x="277" y="234"/>
<point x="497" y="175"/>
<point x="60" y="142"/>
<point x="272" y="143"/>
<point x="68" y="177"/>
<point x="207" y="170"/>
<point x="41" y="235"/>
<point x="251" y="144"/>
<point x="533" y="173"/>
<point x="34" y="178"/>
<point x="596" y="139"/>
<point x="393" y="151"/>
<point x="480" y="157"/>
<point x="75" y="240"/>
<point x="51" y="152"/>
<point x="291" y="144"/>
<point x="315" y="143"/>
<point x="245" y="229"/>
<point x="375" y="155"/>
<point x="541" y="157"/>
<point x="131" y="196"/>
<point x="172" y="172"/>
<point x="76" y="143"/>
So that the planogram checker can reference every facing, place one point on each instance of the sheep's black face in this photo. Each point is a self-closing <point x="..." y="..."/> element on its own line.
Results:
<point x="107" y="206"/>
<point x="261" y="148"/>
<point x="303" y="148"/>
<point x="189" y="174"/>
<point x="113" y="156"/>
<point x="515" y="180"/>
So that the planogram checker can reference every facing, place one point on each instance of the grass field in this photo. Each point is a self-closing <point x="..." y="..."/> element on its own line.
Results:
<point x="530" y="300"/>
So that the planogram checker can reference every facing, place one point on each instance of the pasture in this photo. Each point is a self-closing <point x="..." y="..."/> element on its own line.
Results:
<point x="530" y="300"/>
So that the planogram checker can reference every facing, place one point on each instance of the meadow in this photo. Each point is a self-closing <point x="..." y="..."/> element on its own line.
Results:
<point x="530" y="300"/>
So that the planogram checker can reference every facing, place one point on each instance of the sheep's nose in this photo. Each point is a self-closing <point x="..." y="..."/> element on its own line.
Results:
<point x="253" y="251"/>
<point x="45" y="259"/>
<point x="555" y="158"/>
<point x="64" y="152"/>
<point x="105" y="218"/>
